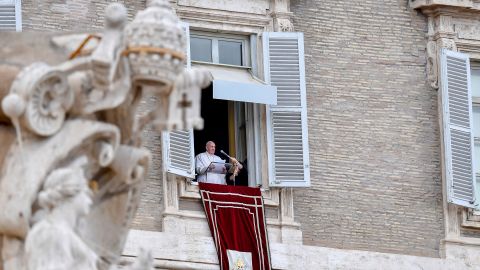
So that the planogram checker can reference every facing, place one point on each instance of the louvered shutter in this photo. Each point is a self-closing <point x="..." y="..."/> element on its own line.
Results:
<point x="178" y="155"/>
<point x="287" y="133"/>
<point x="178" y="150"/>
<point x="457" y="128"/>
<point x="10" y="15"/>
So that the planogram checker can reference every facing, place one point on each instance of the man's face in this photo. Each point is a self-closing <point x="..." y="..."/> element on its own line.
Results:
<point x="211" y="148"/>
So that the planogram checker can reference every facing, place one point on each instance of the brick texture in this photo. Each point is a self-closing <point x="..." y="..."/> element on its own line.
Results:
<point x="373" y="129"/>
<point x="70" y="15"/>
<point x="373" y="124"/>
<point x="148" y="215"/>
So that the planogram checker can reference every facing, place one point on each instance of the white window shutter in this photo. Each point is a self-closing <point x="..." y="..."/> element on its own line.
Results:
<point x="287" y="133"/>
<point x="178" y="153"/>
<point x="457" y="128"/>
<point x="178" y="149"/>
<point x="10" y="15"/>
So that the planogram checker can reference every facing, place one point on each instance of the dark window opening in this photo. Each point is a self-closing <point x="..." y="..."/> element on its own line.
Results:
<point x="222" y="127"/>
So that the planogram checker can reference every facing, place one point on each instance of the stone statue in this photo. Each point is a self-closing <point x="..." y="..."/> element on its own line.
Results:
<point x="53" y="243"/>
<point x="72" y="163"/>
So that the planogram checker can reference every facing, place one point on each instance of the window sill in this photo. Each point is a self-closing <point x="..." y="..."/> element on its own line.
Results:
<point x="471" y="218"/>
<point x="218" y="64"/>
<point x="189" y="190"/>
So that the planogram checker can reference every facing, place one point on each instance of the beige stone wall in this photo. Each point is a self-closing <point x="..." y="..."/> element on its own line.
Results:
<point x="87" y="15"/>
<point x="148" y="214"/>
<point x="70" y="15"/>
<point x="373" y="129"/>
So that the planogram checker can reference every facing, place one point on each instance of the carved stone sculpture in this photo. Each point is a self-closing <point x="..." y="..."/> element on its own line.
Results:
<point x="72" y="165"/>
<point x="64" y="200"/>
<point x="284" y="25"/>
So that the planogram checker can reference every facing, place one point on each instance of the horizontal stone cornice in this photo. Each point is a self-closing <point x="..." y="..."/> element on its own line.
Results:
<point x="225" y="20"/>
<point x="432" y="7"/>
<point x="452" y="3"/>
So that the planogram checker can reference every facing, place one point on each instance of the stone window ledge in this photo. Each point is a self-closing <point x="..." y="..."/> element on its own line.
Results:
<point x="471" y="218"/>
<point x="464" y="4"/>
<point x="189" y="190"/>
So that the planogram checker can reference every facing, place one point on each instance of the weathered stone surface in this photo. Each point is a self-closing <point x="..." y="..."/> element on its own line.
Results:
<point x="70" y="15"/>
<point x="66" y="162"/>
<point x="373" y="129"/>
<point x="373" y="121"/>
<point x="198" y="252"/>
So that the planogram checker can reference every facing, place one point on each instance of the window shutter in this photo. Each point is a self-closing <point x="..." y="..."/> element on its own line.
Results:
<point x="10" y="15"/>
<point x="287" y="133"/>
<point x="178" y="154"/>
<point x="178" y="150"/>
<point x="457" y="128"/>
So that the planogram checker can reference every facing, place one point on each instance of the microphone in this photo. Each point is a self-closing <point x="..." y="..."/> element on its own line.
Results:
<point x="221" y="151"/>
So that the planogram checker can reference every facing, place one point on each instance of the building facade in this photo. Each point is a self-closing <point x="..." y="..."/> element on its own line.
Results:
<point x="379" y="181"/>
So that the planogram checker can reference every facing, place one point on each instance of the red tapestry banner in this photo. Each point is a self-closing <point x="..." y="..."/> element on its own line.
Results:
<point x="236" y="218"/>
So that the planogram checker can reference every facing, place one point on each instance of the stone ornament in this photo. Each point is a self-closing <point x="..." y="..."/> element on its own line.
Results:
<point x="71" y="181"/>
<point x="155" y="42"/>
<point x="432" y="66"/>
<point x="285" y="25"/>
<point x="47" y="98"/>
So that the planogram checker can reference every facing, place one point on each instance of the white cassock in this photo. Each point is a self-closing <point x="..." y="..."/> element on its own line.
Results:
<point x="202" y="161"/>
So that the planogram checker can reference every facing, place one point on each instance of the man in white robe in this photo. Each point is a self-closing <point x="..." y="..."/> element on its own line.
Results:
<point x="204" y="166"/>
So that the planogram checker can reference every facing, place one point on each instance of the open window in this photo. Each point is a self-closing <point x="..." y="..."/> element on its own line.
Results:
<point x="234" y="107"/>
<point x="10" y="15"/>
<point x="228" y="110"/>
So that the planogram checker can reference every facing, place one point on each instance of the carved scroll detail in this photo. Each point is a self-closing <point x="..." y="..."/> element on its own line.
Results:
<point x="47" y="95"/>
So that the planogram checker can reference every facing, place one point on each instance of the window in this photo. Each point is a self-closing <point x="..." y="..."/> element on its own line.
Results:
<point x="10" y="15"/>
<point x="227" y="50"/>
<point x="234" y="107"/>
<point x="201" y="49"/>
<point x="475" y="84"/>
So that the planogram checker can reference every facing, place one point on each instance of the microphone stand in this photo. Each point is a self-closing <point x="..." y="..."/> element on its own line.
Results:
<point x="233" y="174"/>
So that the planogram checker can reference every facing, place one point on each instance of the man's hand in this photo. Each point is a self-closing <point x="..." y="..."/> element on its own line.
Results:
<point x="211" y="167"/>
<point x="233" y="160"/>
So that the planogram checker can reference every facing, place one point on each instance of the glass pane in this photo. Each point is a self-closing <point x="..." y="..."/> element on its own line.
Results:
<point x="476" y="121"/>
<point x="230" y="52"/>
<point x="475" y="79"/>
<point x="201" y="49"/>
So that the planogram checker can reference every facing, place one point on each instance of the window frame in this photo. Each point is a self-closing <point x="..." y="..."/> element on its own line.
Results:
<point x="250" y="57"/>
<point x="475" y="64"/>
<point x="215" y="51"/>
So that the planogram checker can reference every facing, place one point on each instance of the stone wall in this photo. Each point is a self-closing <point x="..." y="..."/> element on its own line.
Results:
<point x="373" y="132"/>
<point x="87" y="15"/>
<point x="70" y="15"/>
<point x="148" y="214"/>
<point x="373" y="129"/>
